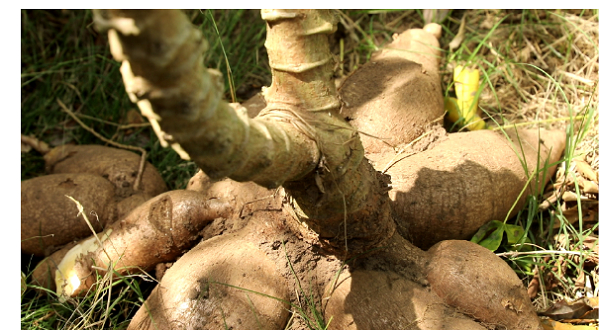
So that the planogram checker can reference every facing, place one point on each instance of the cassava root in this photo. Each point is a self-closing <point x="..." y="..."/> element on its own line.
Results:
<point x="243" y="278"/>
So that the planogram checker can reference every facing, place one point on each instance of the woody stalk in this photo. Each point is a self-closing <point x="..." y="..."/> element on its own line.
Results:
<point x="298" y="141"/>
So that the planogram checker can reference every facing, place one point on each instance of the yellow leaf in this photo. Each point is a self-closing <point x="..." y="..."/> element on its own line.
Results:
<point x="464" y="106"/>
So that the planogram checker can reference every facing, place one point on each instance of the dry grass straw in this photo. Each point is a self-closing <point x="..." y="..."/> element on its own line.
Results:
<point x="542" y="68"/>
<point x="565" y="47"/>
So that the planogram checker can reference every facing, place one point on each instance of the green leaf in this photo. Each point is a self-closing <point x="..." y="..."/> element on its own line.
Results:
<point x="493" y="241"/>
<point x="483" y="230"/>
<point x="490" y="235"/>
<point x="513" y="233"/>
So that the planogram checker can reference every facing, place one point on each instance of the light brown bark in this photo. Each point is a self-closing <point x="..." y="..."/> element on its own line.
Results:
<point x="299" y="140"/>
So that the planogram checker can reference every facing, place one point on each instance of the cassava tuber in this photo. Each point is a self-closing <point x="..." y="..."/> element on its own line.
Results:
<point x="394" y="98"/>
<point x="49" y="219"/>
<point x="471" y="278"/>
<point x="118" y="166"/>
<point x="224" y="282"/>
<point x="101" y="178"/>
<point x="468" y="179"/>
<point x="468" y="288"/>
<point x="159" y="230"/>
<point x="241" y="279"/>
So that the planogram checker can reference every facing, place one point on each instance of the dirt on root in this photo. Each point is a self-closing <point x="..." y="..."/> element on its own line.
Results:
<point x="310" y="269"/>
<point x="307" y="266"/>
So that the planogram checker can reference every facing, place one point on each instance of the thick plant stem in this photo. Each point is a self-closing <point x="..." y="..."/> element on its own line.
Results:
<point x="299" y="141"/>
<point x="345" y="199"/>
<point x="163" y="72"/>
<point x="300" y="60"/>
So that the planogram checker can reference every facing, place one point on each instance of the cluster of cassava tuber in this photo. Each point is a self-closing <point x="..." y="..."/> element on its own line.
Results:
<point x="315" y="210"/>
<point x="101" y="178"/>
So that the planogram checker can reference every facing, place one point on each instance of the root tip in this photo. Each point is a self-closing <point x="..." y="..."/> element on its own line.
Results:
<point x="433" y="29"/>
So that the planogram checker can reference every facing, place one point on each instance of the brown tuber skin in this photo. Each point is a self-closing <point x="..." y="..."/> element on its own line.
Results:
<point x="466" y="180"/>
<point x="204" y="298"/>
<point x="467" y="284"/>
<point x="397" y="95"/>
<point x="371" y="300"/>
<point x="49" y="219"/>
<point x="471" y="278"/>
<point x="158" y="231"/>
<point x="118" y="166"/>
<point x="100" y="178"/>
